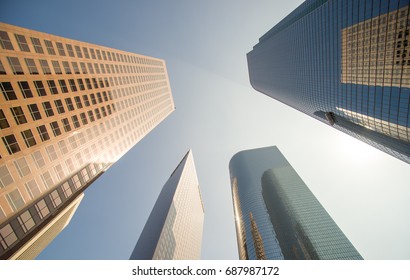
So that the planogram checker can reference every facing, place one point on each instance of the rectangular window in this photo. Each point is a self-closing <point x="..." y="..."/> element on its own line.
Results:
<point x="5" y="177"/>
<point x="48" y="109"/>
<point x="55" y="128"/>
<point x="47" y="180"/>
<point x="88" y="83"/>
<point x="45" y="67"/>
<point x="104" y="55"/>
<point x="22" y="42"/>
<point x="38" y="159"/>
<point x="22" y="167"/>
<point x="5" y="41"/>
<point x="75" y="121"/>
<point x="97" y="113"/>
<point x="75" y="67"/>
<point x="3" y="120"/>
<point x="66" y="125"/>
<point x="42" y="131"/>
<point x="78" y="103"/>
<point x="81" y="84"/>
<point x="59" y="171"/>
<point x="69" y="104"/>
<point x="97" y="68"/>
<point x="63" y="147"/>
<point x="92" y="53"/>
<point x="11" y="144"/>
<point x="56" y="66"/>
<point x="93" y="100"/>
<point x="73" y="142"/>
<point x="99" y="97"/>
<point x="95" y="83"/>
<point x="26" y="221"/>
<point x="50" y="47"/>
<point x="15" y="65"/>
<point x="66" y="190"/>
<point x="104" y="113"/>
<point x="102" y="68"/>
<point x="31" y="65"/>
<point x="85" y="50"/>
<point x="33" y="189"/>
<point x="55" y="198"/>
<point x="78" y="51"/>
<point x="42" y="209"/>
<point x="90" y="68"/>
<point x="98" y="54"/>
<point x="63" y="86"/>
<point x="37" y="45"/>
<point x="60" y="48"/>
<point x="91" y="116"/>
<point x="67" y="68"/>
<point x="25" y="89"/>
<point x="40" y="88"/>
<point x="83" y="68"/>
<point x="18" y="115"/>
<point x="51" y="152"/>
<point x="28" y="138"/>
<point x="83" y="118"/>
<point x="34" y="111"/>
<point x="52" y="86"/>
<point x="86" y="100"/>
<point x="70" y="50"/>
<point x="8" y="91"/>
<point x="59" y="106"/>
<point x="72" y="85"/>
<point x="15" y="200"/>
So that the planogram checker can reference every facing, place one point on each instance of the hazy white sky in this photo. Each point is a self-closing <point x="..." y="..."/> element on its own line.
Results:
<point x="217" y="114"/>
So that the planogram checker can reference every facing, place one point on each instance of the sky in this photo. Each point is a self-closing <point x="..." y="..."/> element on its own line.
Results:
<point x="218" y="113"/>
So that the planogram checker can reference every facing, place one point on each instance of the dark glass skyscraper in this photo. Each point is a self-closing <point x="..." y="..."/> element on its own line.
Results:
<point x="277" y="216"/>
<point x="346" y="63"/>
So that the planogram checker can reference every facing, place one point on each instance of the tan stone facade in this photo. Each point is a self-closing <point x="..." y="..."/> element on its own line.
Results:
<point x="68" y="110"/>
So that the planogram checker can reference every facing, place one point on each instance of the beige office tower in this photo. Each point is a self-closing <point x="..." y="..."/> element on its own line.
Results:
<point x="68" y="111"/>
<point x="174" y="228"/>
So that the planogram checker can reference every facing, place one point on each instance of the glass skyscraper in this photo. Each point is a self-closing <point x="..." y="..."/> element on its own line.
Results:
<point x="174" y="228"/>
<point x="346" y="63"/>
<point x="277" y="216"/>
<point x="68" y="111"/>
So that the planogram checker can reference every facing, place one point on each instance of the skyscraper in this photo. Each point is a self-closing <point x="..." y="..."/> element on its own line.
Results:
<point x="68" y="111"/>
<point x="277" y="216"/>
<point x="346" y="63"/>
<point x="174" y="228"/>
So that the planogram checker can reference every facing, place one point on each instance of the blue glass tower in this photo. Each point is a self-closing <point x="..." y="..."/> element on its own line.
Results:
<point x="346" y="63"/>
<point x="277" y="216"/>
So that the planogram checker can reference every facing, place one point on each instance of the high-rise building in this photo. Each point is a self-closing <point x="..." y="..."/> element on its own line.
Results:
<point x="174" y="228"/>
<point x="346" y="63"/>
<point x="277" y="216"/>
<point x="68" y="111"/>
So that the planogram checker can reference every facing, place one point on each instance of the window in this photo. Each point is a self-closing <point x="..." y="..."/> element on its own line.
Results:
<point x="70" y="50"/>
<point x="26" y="221"/>
<point x="73" y="142"/>
<point x="40" y="88"/>
<point x="78" y="103"/>
<point x="84" y="174"/>
<point x="18" y="115"/>
<point x="51" y="152"/>
<point x="55" y="128"/>
<point x="72" y="85"/>
<point x="55" y="198"/>
<point x="11" y="144"/>
<point x="83" y="68"/>
<point x="99" y="97"/>
<point x="47" y="180"/>
<point x="38" y="159"/>
<point x="47" y="108"/>
<point x="2" y="70"/>
<point x="85" y="50"/>
<point x="86" y="101"/>
<point x="42" y="209"/>
<point x="103" y="111"/>
<point x="33" y="189"/>
<point x="15" y="200"/>
<point x="98" y="54"/>
<point x="31" y="65"/>
<point x="63" y="86"/>
<point x="95" y="83"/>
<point x="78" y="51"/>
<point x="60" y="48"/>
<point x="50" y="48"/>
<point x="69" y="103"/>
<point x="5" y="41"/>
<point x="42" y="131"/>
<point x="66" y="67"/>
<point x="22" y="167"/>
<point x="66" y="190"/>
<point x="83" y="118"/>
<point x="59" y="106"/>
<point x="63" y="147"/>
<point x="75" y="121"/>
<point x="56" y="66"/>
<point x="22" y="42"/>
<point x="5" y="177"/>
<point x="28" y="138"/>
<point x="88" y="83"/>
<point x="97" y="113"/>
<point x="66" y="125"/>
<point x="7" y="236"/>
<point x="37" y="45"/>
<point x="75" y="67"/>
<point x="3" y="120"/>
<point x="90" y="68"/>
<point x="52" y="86"/>
<point x="92" y="53"/>
<point x="59" y="171"/>
<point x="97" y="68"/>
<point x="93" y="100"/>
<point x="91" y="116"/>
<point x="45" y="67"/>
<point x="34" y="111"/>
<point x="15" y="65"/>
<point x="8" y="91"/>
<point x="81" y="84"/>
<point x="25" y="89"/>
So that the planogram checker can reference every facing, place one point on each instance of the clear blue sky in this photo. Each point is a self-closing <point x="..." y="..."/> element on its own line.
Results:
<point x="217" y="114"/>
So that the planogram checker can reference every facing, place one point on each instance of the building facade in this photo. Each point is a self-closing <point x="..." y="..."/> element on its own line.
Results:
<point x="277" y="216"/>
<point x="345" y="63"/>
<point x="68" y="111"/>
<point x="174" y="228"/>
